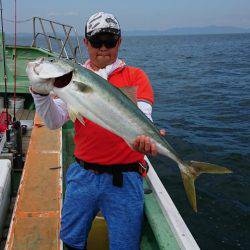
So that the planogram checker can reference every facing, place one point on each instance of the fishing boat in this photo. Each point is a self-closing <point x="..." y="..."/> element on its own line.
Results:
<point x="38" y="166"/>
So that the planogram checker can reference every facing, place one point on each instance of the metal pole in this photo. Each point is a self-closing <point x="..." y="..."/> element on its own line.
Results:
<point x="55" y="35"/>
<point x="5" y="75"/>
<point x="34" y="32"/>
<point x="15" y="57"/>
<point x="64" y="43"/>
<point x="47" y="39"/>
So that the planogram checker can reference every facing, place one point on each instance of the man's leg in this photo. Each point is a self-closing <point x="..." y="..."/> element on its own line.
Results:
<point x="123" y="211"/>
<point x="80" y="206"/>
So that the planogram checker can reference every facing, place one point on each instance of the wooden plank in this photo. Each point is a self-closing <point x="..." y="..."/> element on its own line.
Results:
<point x="31" y="115"/>
<point x="36" y="219"/>
<point x="25" y="114"/>
<point x="19" y="113"/>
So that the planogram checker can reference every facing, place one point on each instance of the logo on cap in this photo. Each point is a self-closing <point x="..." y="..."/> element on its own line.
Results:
<point x="102" y="22"/>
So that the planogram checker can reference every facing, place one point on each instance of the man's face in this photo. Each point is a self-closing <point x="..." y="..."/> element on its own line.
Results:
<point x="103" y="49"/>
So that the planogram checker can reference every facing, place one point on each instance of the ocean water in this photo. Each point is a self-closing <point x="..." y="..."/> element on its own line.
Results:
<point x="202" y="99"/>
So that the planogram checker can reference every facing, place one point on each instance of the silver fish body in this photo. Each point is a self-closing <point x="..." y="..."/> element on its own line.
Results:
<point x="89" y="95"/>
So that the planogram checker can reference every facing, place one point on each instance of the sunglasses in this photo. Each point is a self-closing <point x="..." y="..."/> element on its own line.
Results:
<point x="109" y="43"/>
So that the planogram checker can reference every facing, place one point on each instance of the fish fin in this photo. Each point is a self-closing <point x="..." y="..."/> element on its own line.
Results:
<point x="204" y="167"/>
<point x="75" y="115"/>
<point x="188" y="182"/>
<point x="130" y="92"/>
<point x="194" y="169"/>
<point x="83" y="87"/>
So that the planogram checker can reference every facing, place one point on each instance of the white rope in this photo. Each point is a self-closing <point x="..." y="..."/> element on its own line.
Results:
<point x="19" y="21"/>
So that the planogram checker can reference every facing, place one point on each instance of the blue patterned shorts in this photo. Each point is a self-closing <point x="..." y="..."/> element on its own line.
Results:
<point x="88" y="193"/>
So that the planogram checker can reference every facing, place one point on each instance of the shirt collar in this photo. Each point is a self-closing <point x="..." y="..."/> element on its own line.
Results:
<point x="108" y="70"/>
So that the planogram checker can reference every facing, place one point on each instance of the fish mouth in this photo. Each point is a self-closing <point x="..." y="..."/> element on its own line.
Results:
<point x="64" y="80"/>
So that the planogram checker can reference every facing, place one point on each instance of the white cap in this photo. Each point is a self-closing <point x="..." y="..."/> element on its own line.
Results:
<point x="102" y="23"/>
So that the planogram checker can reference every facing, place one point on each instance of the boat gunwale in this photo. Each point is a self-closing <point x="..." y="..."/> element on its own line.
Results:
<point x="183" y="235"/>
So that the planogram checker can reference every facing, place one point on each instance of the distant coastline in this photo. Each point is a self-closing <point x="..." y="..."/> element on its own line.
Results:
<point x="207" y="30"/>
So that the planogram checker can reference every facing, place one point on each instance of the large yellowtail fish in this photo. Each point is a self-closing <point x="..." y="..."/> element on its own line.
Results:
<point x="89" y="95"/>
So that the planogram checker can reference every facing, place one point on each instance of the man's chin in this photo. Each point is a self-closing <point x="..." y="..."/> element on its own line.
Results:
<point x="103" y="61"/>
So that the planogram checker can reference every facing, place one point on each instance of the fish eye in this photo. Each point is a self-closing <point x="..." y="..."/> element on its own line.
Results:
<point x="63" y="80"/>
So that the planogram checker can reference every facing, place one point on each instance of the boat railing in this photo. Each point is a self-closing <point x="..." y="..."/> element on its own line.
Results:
<point x="176" y="223"/>
<point x="63" y="49"/>
<point x="67" y="41"/>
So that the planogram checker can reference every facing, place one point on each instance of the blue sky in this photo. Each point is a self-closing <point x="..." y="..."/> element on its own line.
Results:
<point x="132" y="14"/>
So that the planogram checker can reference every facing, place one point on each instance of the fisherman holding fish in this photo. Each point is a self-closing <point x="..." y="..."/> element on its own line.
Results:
<point x="107" y="174"/>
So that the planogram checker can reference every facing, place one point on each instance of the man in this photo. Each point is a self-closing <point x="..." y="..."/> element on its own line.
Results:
<point x="107" y="174"/>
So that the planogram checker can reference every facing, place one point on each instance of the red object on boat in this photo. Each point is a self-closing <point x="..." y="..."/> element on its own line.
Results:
<point x="4" y="121"/>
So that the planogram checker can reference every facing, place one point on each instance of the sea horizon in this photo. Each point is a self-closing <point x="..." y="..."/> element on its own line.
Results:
<point x="199" y="30"/>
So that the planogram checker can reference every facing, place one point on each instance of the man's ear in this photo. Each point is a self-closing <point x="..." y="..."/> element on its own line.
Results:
<point x="85" y="41"/>
<point x="119" y="42"/>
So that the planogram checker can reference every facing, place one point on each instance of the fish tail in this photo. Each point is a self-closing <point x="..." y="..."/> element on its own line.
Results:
<point x="191" y="170"/>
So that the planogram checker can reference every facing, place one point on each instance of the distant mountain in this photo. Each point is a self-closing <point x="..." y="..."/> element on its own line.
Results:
<point x="207" y="30"/>
<point x="143" y="33"/>
<point x="172" y="31"/>
<point x="189" y="31"/>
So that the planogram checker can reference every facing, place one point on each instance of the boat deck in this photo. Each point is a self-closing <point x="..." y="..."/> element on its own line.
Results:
<point x="36" y="217"/>
<point x="36" y="220"/>
<point x="25" y="114"/>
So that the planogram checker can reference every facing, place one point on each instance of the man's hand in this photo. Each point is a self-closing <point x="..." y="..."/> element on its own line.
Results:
<point x="144" y="145"/>
<point x="38" y="85"/>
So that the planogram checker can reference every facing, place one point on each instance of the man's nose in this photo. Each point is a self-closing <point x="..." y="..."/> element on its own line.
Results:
<point x="103" y="48"/>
